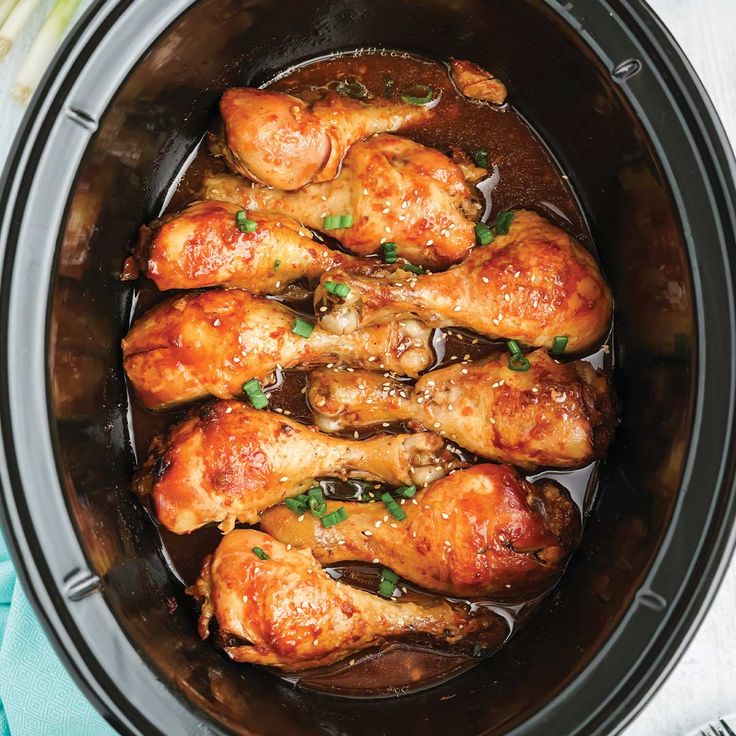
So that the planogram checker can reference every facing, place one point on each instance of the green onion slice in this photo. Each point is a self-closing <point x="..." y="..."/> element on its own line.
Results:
<point x="336" y="222"/>
<point x="335" y="517"/>
<point x="276" y="264"/>
<point x="299" y="504"/>
<point x="513" y="347"/>
<point x="483" y="233"/>
<point x="244" y="224"/>
<point x="260" y="554"/>
<point x="478" y="651"/>
<point x="481" y="158"/>
<point x="406" y="491"/>
<point x="336" y="288"/>
<point x="503" y="222"/>
<point x="254" y="392"/>
<point x="388" y="87"/>
<point x="517" y="362"/>
<point x="389" y="252"/>
<point x="389" y="581"/>
<point x="316" y="501"/>
<point x="352" y="88"/>
<point x="302" y="327"/>
<point x="418" y="94"/>
<point x="393" y="508"/>
<point x="558" y="345"/>
<point x="411" y="268"/>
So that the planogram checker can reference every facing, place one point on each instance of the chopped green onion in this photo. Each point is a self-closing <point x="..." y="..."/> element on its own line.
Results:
<point x="481" y="158"/>
<point x="316" y="501"/>
<point x="299" y="504"/>
<point x="302" y="327"/>
<point x="412" y="268"/>
<point x="260" y="554"/>
<point x="315" y="492"/>
<point x="254" y="392"/>
<point x="352" y="88"/>
<point x="483" y="233"/>
<point x="418" y="94"/>
<point x="503" y="222"/>
<point x="388" y="87"/>
<point x="389" y="252"/>
<point x="244" y="224"/>
<point x="336" y="222"/>
<point x="394" y="509"/>
<point x="337" y="288"/>
<point x="18" y="16"/>
<point x="513" y="347"/>
<point x="517" y="362"/>
<point x="406" y="491"/>
<point x="478" y="651"/>
<point x="334" y="517"/>
<point x="6" y="7"/>
<point x="558" y="345"/>
<point x="389" y="581"/>
<point x="276" y="264"/>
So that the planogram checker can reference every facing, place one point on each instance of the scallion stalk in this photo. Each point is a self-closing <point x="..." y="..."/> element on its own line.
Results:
<point x="14" y="24"/>
<point x="6" y="6"/>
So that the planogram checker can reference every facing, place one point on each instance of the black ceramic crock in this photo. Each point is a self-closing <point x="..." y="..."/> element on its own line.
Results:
<point x="123" y="107"/>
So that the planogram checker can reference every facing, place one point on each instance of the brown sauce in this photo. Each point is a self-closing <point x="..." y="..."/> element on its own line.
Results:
<point x="524" y="175"/>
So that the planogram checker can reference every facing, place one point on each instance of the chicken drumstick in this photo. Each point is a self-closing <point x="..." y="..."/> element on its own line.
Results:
<point x="276" y="606"/>
<point x="391" y="189"/>
<point x="554" y="415"/>
<point x="479" y="532"/>
<point x="532" y="285"/>
<point x="282" y="141"/>
<point x="214" y="341"/>
<point x="228" y="463"/>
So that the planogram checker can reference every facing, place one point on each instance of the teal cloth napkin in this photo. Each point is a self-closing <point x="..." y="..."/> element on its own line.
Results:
<point x="37" y="696"/>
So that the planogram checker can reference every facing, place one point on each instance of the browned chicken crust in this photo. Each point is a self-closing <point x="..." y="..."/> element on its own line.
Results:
<point x="282" y="141"/>
<point x="212" y="342"/>
<point x="483" y="531"/>
<point x="531" y="285"/>
<point x="555" y="414"/>
<point x="287" y="612"/>
<point x="203" y="246"/>
<point x="228" y="462"/>
<point x="396" y="190"/>
<point x="474" y="81"/>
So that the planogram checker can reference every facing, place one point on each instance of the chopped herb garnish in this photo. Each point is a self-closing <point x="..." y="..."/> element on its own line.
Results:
<point x="558" y="345"/>
<point x="299" y="504"/>
<point x="389" y="581"/>
<point x="244" y="224"/>
<point x="335" y="222"/>
<point x="388" y="87"/>
<point x="483" y="233"/>
<point x="513" y="347"/>
<point x="481" y="158"/>
<point x="406" y="491"/>
<point x="316" y="501"/>
<point x="302" y="327"/>
<point x="389" y="252"/>
<point x="352" y="88"/>
<point x="276" y="264"/>
<point x="336" y="288"/>
<point x="478" y="651"/>
<point x="335" y="517"/>
<point x="412" y="268"/>
<point x="254" y="392"/>
<point x="393" y="508"/>
<point x="260" y="554"/>
<point x="503" y="222"/>
<point x="517" y="362"/>
<point x="418" y="94"/>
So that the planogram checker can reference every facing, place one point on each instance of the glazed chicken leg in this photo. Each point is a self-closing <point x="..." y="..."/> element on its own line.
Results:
<point x="555" y="414"/>
<point x="287" y="612"/>
<point x="204" y="246"/>
<point x="228" y="463"/>
<point x="532" y="285"/>
<point x="282" y="141"/>
<point x="393" y="189"/>
<point x="214" y="341"/>
<point x="478" y="532"/>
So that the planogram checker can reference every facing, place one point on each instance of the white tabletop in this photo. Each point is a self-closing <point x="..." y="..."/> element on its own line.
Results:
<point x="703" y="685"/>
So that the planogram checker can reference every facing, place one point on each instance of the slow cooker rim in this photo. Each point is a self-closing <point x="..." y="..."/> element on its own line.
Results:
<point x="49" y="595"/>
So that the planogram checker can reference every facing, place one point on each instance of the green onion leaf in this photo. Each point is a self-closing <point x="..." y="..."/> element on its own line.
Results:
<point x="513" y="347"/>
<point x="337" y="288"/>
<point x="260" y="554"/>
<point x="388" y="87"/>
<point x="412" y="268"/>
<point x="335" y="222"/>
<point x="276" y="264"/>
<point x="298" y="505"/>
<point x="517" y="362"/>
<point x="334" y="517"/>
<point x="558" y="345"/>
<point x="418" y="94"/>
<point x="389" y="252"/>
<point x="481" y="158"/>
<point x="254" y="392"/>
<point x="483" y="233"/>
<point x="388" y="583"/>
<point x="478" y="651"/>
<point x="503" y="222"/>
<point x="316" y="501"/>
<point x="393" y="508"/>
<point x="352" y="88"/>
<point x="244" y="224"/>
<point x="302" y="327"/>
<point x="406" y="491"/>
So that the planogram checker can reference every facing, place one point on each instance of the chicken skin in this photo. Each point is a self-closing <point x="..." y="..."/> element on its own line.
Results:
<point x="394" y="190"/>
<point x="281" y="141"/>
<point x="285" y="611"/>
<point x="557" y="415"/>
<point x="212" y="342"/>
<point x="204" y="246"/>
<point x="228" y="462"/>
<point x="531" y="285"/>
<point x="475" y="82"/>
<point x="483" y="531"/>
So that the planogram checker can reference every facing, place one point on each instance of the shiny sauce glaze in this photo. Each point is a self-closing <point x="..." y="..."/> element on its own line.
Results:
<point x="523" y="174"/>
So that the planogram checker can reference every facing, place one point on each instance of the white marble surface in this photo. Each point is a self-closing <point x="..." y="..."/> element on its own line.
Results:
<point x="703" y="685"/>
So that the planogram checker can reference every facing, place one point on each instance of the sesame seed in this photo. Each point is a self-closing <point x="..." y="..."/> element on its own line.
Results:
<point x="216" y="323"/>
<point x="444" y="516"/>
<point x="456" y="308"/>
<point x="245" y="599"/>
<point x="367" y="532"/>
<point x="484" y="279"/>
<point x="284" y="478"/>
